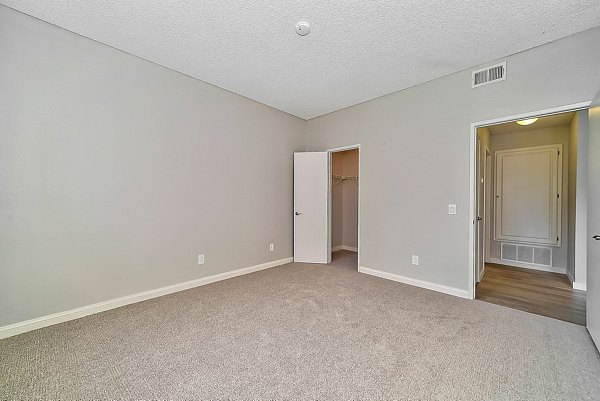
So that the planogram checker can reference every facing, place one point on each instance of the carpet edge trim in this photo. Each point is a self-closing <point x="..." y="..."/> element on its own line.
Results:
<point x="60" y="317"/>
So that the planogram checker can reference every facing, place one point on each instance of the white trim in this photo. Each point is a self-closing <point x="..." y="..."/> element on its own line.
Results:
<point x="44" y="321"/>
<point x="570" y="277"/>
<point x="482" y="273"/>
<point x="457" y="292"/>
<point x="550" y="269"/>
<point x="343" y="148"/>
<point x="472" y="136"/>
<point x="360" y="177"/>
<point x="538" y="113"/>
<point x="344" y="248"/>
<point x="576" y="285"/>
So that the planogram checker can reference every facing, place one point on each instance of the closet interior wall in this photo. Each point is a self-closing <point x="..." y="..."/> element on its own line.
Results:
<point x="344" y="200"/>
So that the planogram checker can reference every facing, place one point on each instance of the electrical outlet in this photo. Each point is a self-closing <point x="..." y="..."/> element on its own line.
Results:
<point x="271" y="247"/>
<point x="201" y="259"/>
<point x="452" y="208"/>
<point x="415" y="260"/>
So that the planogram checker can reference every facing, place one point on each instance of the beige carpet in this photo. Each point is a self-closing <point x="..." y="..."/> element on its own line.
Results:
<point x="304" y="331"/>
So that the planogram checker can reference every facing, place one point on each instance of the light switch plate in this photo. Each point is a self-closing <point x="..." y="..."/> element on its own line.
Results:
<point x="452" y="208"/>
<point x="415" y="260"/>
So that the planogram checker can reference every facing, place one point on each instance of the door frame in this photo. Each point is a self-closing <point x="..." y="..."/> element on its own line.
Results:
<point x="330" y="190"/>
<point x="487" y="174"/>
<point x="482" y="234"/>
<point x="477" y="225"/>
<point x="473" y="167"/>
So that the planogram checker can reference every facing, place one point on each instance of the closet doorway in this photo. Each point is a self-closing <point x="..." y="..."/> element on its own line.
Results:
<point x="344" y="210"/>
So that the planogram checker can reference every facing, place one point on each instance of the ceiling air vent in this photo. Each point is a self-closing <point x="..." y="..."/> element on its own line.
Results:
<point x="488" y="75"/>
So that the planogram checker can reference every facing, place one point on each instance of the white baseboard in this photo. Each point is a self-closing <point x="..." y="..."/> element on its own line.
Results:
<point x="481" y="274"/>
<point x="44" y="321"/>
<point x="576" y="285"/>
<point x="570" y="277"/>
<point x="345" y="248"/>
<point x="552" y="269"/>
<point x="457" y="292"/>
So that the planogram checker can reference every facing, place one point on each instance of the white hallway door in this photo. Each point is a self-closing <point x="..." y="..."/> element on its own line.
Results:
<point x="593" y="259"/>
<point x="311" y="191"/>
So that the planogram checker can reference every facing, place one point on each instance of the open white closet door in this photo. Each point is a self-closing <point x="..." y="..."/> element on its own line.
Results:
<point x="593" y="257"/>
<point x="311" y="191"/>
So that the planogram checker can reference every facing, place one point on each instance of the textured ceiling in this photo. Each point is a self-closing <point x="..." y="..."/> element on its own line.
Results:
<point x="357" y="49"/>
<point x="555" y="120"/>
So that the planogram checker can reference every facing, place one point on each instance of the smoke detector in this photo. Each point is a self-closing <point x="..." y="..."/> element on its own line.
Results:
<point x="302" y="28"/>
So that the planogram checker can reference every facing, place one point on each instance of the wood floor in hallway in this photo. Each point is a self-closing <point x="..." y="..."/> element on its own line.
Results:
<point x="542" y="293"/>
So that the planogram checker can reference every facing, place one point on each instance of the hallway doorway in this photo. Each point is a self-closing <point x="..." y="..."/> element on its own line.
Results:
<point x="527" y="213"/>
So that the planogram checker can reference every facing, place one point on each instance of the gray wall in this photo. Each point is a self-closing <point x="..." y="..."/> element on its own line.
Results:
<point x="573" y="136"/>
<point x="538" y="137"/>
<point x="593" y="250"/>
<point x="116" y="173"/>
<point x="581" y="203"/>
<point x="415" y="153"/>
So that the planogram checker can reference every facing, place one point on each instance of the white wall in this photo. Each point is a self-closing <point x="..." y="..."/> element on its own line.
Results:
<point x="415" y="153"/>
<point x="538" y="137"/>
<point x="116" y="173"/>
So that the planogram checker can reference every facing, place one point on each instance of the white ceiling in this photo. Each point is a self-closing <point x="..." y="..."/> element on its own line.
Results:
<point x="357" y="49"/>
<point x="555" y="120"/>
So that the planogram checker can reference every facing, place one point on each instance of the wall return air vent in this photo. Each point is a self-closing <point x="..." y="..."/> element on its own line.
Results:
<point x="488" y="75"/>
<point x="531" y="255"/>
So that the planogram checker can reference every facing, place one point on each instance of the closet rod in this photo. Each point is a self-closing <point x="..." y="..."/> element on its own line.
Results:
<point x="344" y="177"/>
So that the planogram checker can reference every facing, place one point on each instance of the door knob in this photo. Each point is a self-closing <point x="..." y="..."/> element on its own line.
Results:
<point x="479" y="218"/>
<point x="297" y="213"/>
<point x="596" y="237"/>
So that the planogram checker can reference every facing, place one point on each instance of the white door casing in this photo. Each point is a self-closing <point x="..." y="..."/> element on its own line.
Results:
<point x="473" y="172"/>
<point x="479" y="236"/>
<point x="482" y="212"/>
<point x="593" y="250"/>
<point x="487" y="205"/>
<point x="311" y="192"/>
